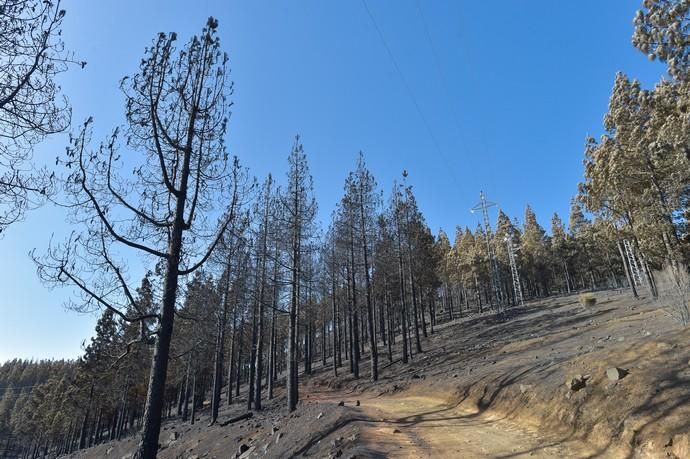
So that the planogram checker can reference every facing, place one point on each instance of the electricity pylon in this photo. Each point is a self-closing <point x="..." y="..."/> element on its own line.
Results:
<point x="632" y="262"/>
<point x="512" y="256"/>
<point x="494" y="274"/>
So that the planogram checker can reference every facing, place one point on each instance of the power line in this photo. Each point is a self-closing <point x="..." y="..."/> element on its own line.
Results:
<point x="437" y="64"/>
<point x="408" y="88"/>
<point x="444" y="81"/>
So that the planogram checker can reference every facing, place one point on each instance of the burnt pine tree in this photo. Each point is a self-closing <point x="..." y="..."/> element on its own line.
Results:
<point x="32" y="55"/>
<point x="347" y="230"/>
<point x="226" y="257"/>
<point x="361" y="196"/>
<point x="263" y="211"/>
<point x="397" y="212"/>
<point x="178" y="172"/>
<point x="299" y="210"/>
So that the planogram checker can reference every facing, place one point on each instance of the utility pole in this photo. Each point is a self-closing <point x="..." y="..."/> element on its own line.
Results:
<point x="493" y="265"/>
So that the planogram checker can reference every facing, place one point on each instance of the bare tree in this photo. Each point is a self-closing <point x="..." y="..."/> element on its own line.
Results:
<point x="165" y="208"/>
<point x="300" y="210"/>
<point x="263" y="211"/>
<point x="32" y="54"/>
<point x="361" y="185"/>
<point x="228" y="258"/>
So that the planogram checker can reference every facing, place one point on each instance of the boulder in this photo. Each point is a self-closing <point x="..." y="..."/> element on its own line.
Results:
<point x="319" y="416"/>
<point x="616" y="374"/>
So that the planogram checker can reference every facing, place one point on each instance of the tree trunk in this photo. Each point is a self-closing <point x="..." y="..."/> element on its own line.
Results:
<point x="185" y="409"/>
<point x="148" y="446"/>
<point x="194" y="396"/>
<point x="405" y="353"/>
<point x="84" y="424"/>
<point x="218" y="365"/>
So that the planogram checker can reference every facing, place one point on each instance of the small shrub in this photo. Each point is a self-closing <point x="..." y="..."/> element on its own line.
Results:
<point x="587" y="299"/>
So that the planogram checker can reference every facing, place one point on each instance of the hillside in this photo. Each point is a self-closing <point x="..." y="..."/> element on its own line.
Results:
<point x="484" y="387"/>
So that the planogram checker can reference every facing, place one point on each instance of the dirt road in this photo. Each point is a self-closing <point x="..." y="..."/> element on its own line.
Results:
<point x="421" y="426"/>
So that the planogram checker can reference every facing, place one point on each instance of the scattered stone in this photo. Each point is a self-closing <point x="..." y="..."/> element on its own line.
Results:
<point x="576" y="383"/>
<point x="414" y="376"/>
<point x="341" y="403"/>
<point x="173" y="437"/>
<point x="621" y="339"/>
<point x="243" y="449"/>
<point x="248" y="452"/>
<point x="319" y="416"/>
<point x="616" y="374"/>
<point x="525" y="388"/>
<point x="357" y="403"/>
<point x="455" y="375"/>
<point x="108" y="451"/>
<point x="274" y="429"/>
<point x="646" y="333"/>
<point x="395" y="431"/>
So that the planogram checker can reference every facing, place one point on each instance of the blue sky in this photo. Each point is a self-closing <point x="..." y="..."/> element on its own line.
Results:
<point x="494" y="96"/>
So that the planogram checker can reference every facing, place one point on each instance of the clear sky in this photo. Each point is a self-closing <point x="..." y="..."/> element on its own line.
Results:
<point x="495" y="96"/>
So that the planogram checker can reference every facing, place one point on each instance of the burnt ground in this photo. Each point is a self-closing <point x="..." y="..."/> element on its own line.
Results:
<point x="485" y="386"/>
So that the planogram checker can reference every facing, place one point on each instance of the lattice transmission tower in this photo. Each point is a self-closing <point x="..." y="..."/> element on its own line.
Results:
<point x="494" y="274"/>
<point x="632" y="263"/>
<point x="512" y="256"/>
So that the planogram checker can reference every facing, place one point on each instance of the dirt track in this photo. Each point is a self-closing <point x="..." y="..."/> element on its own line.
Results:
<point x="426" y="424"/>
<point x="419" y="426"/>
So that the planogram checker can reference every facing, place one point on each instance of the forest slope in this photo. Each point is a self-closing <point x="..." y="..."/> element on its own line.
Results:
<point x="484" y="387"/>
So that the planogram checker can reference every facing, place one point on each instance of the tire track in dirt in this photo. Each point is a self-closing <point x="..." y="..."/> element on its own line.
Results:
<point x="421" y="426"/>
